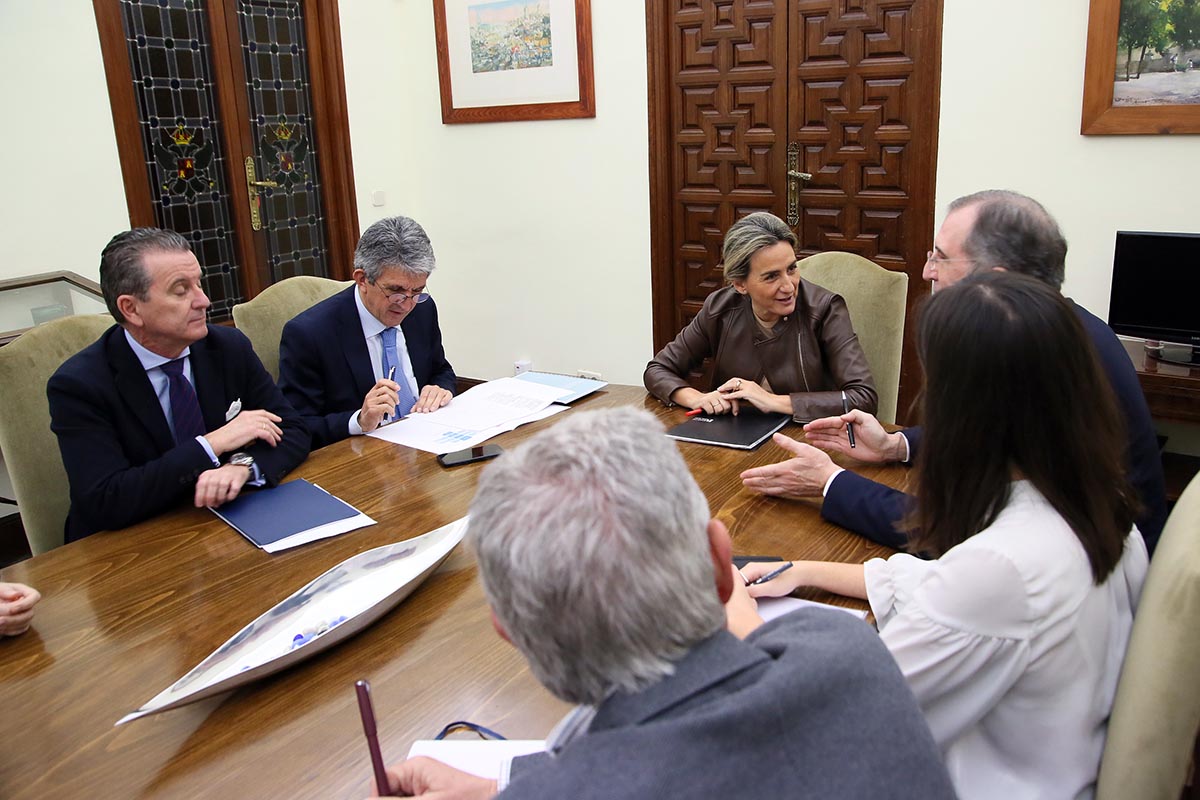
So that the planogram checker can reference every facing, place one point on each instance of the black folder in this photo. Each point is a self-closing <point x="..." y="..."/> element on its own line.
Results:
<point x="746" y="431"/>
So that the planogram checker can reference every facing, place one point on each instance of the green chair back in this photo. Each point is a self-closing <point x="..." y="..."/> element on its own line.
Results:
<point x="877" y="299"/>
<point x="262" y="319"/>
<point x="1156" y="713"/>
<point x="30" y="448"/>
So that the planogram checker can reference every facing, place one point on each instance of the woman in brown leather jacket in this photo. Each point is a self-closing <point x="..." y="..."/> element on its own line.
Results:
<point x="777" y="341"/>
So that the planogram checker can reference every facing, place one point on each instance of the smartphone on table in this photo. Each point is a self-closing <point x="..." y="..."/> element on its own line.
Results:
<point x="470" y="455"/>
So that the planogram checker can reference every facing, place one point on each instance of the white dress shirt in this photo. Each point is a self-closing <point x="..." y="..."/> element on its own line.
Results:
<point x="1012" y="650"/>
<point x="372" y="331"/>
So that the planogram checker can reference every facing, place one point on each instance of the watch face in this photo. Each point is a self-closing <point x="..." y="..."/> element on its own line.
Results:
<point x="242" y="459"/>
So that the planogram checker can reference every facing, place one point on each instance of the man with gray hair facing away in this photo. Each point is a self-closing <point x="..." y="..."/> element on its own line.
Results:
<point x="602" y="566"/>
<point x="373" y="351"/>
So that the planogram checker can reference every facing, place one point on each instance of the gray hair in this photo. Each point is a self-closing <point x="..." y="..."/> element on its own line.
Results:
<point x="121" y="267"/>
<point x="1014" y="232"/>
<point x="394" y="242"/>
<point x="593" y="553"/>
<point x="747" y="236"/>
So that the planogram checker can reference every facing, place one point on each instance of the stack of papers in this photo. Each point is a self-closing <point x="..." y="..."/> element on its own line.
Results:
<point x="572" y="388"/>
<point x="290" y="514"/>
<point x="475" y="416"/>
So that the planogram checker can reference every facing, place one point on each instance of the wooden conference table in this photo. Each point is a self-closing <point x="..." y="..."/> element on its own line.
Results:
<point x="125" y="614"/>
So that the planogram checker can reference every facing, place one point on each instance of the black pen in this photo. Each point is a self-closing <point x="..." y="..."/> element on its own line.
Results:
<point x="772" y="574"/>
<point x="367" y="712"/>
<point x="849" y="425"/>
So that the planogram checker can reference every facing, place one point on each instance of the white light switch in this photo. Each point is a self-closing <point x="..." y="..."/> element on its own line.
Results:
<point x="378" y="198"/>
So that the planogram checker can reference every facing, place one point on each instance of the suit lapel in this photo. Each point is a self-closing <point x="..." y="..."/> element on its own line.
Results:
<point x="136" y="391"/>
<point x="210" y="382"/>
<point x="352" y="343"/>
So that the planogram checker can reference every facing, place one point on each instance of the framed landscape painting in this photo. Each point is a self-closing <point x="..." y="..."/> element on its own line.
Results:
<point x="1142" y="70"/>
<point x="512" y="60"/>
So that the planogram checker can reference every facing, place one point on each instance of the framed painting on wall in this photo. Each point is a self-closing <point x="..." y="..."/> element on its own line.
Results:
<point x="1142" y="68"/>
<point x="513" y="60"/>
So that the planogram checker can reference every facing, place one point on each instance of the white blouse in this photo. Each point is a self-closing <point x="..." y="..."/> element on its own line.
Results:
<point x="1012" y="650"/>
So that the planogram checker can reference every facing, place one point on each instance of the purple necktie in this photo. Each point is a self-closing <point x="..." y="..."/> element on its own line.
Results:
<point x="185" y="408"/>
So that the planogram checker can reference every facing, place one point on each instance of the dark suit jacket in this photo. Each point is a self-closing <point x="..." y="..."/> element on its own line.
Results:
<point x="871" y="509"/>
<point x="810" y="705"/>
<point x="325" y="367"/>
<point x="122" y="463"/>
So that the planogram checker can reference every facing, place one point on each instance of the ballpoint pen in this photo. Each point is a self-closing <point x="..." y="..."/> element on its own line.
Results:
<point x="772" y="574"/>
<point x="849" y="425"/>
<point x="367" y="712"/>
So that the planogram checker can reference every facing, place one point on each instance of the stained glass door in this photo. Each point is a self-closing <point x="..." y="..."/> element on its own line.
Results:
<point x="229" y="147"/>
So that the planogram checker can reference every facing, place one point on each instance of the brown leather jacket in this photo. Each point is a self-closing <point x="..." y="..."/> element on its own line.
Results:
<point x="812" y="355"/>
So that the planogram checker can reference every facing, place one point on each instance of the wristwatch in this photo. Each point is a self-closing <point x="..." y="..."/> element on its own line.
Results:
<point x="243" y="460"/>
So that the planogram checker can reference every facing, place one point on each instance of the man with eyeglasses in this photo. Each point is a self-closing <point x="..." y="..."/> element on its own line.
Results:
<point x="371" y="353"/>
<point x="993" y="229"/>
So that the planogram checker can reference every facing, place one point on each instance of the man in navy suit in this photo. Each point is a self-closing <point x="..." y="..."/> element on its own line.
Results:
<point x="164" y="406"/>
<point x="374" y="351"/>
<point x="987" y="230"/>
<point x="602" y="566"/>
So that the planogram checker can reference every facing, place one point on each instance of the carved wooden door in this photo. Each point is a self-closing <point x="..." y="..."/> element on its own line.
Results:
<point x="848" y="87"/>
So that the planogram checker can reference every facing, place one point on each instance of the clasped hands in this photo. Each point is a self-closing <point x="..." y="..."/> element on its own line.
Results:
<point x="382" y="398"/>
<point x="810" y="468"/>
<point x="726" y="398"/>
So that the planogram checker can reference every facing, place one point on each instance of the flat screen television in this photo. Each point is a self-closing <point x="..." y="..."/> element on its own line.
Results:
<point x="1156" y="289"/>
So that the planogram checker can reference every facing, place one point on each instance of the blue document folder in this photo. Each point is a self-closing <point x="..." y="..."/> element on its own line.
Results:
<point x="269" y="515"/>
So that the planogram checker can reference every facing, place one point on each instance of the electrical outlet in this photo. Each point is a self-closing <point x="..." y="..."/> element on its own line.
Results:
<point x="587" y="373"/>
<point x="524" y="365"/>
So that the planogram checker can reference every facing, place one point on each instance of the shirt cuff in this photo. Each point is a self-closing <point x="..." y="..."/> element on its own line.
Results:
<point x="208" y="449"/>
<point x="505" y="774"/>
<point x="907" y="449"/>
<point x="828" y="483"/>
<point x="256" y="477"/>
<point x="355" y="428"/>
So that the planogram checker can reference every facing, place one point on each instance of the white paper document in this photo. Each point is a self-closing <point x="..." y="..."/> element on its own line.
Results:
<point x="478" y="757"/>
<point x="771" y="607"/>
<point x="478" y="414"/>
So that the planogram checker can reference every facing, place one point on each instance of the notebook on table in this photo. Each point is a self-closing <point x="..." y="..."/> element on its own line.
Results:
<point x="746" y="431"/>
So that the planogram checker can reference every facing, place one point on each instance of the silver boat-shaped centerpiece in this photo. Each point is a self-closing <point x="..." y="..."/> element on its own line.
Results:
<point x="333" y="607"/>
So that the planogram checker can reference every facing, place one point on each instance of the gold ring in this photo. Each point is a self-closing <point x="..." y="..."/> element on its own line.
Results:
<point x="738" y="385"/>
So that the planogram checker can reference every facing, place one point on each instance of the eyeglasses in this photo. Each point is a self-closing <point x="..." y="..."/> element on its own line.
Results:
<point x="395" y="295"/>
<point x="931" y="257"/>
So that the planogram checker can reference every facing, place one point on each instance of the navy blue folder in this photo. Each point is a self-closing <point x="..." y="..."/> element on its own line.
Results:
<point x="269" y="515"/>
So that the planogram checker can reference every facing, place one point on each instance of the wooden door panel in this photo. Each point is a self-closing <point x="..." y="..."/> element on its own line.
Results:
<point x="863" y="93"/>
<point x="728" y="118"/>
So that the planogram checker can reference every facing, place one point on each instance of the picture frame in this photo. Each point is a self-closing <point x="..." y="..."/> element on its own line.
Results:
<point x="514" y="60"/>
<point x="1101" y="116"/>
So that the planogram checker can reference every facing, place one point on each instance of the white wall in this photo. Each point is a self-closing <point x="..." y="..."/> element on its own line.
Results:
<point x="61" y="197"/>
<point x="541" y="229"/>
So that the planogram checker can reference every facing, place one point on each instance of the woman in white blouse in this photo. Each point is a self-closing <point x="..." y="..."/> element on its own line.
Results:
<point x="1013" y="637"/>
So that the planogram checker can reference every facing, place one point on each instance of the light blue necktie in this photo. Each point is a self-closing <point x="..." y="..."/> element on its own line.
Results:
<point x="392" y="359"/>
